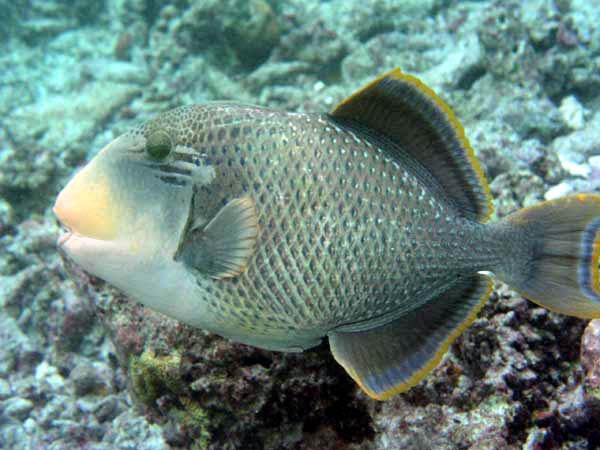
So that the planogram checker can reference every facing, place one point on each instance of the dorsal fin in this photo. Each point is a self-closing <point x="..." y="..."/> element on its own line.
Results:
<point x="413" y="117"/>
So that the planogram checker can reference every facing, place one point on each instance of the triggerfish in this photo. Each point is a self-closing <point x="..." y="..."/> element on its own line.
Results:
<point x="367" y="225"/>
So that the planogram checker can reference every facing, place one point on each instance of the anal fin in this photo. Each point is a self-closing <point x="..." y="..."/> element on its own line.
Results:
<point x="392" y="358"/>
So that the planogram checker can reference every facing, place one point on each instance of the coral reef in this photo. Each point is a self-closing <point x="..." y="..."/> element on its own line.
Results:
<point x="83" y="367"/>
<point x="590" y="361"/>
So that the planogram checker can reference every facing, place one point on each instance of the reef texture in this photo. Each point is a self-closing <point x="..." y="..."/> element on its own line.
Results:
<point x="83" y="367"/>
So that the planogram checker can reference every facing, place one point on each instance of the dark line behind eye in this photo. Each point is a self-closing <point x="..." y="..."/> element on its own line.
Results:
<point x="176" y="170"/>
<point x="175" y="181"/>
<point x="165" y="168"/>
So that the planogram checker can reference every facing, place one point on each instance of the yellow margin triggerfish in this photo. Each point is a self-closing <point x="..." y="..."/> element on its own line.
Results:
<point x="367" y="225"/>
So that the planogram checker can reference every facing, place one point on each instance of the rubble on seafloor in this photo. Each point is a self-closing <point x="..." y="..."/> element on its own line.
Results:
<point x="83" y="367"/>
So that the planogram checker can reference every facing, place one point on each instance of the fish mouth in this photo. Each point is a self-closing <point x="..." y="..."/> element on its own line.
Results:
<point x="86" y="207"/>
<point x="63" y="237"/>
<point x="64" y="233"/>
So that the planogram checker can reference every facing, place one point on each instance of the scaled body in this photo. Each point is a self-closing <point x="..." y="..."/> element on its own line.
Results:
<point x="347" y="233"/>
<point x="366" y="225"/>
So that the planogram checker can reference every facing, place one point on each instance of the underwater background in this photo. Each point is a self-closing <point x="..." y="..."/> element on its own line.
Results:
<point x="83" y="367"/>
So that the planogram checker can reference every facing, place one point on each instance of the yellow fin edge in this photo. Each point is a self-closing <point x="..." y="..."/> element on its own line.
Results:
<point x="594" y="265"/>
<point x="460" y="131"/>
<point x="433" y="362"/>
<point x="581" y="198"/>
<point x="595" y="252"/>
<point x="556" y="311"/>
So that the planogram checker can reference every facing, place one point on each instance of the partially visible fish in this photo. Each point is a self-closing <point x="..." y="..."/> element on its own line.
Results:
<point x="366" y="225"/>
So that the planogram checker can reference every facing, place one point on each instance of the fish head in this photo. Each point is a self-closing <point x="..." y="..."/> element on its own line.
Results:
<point x="126" y="211"/>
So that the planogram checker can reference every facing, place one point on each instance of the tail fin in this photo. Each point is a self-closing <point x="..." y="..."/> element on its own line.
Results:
<point x="562" y="273"/>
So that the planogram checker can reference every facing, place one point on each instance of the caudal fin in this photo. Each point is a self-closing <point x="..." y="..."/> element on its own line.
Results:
<point x="562" y="273"/>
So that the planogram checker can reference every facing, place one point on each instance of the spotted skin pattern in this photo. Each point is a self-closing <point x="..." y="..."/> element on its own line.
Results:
<point x="349" y="237"/>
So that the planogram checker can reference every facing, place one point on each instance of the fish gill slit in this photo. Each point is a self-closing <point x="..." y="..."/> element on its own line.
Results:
<point x="173" y="174"/>
<point x="176" y="170"/>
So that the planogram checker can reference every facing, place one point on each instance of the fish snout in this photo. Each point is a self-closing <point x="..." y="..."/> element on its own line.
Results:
<point x="86" y="206"/>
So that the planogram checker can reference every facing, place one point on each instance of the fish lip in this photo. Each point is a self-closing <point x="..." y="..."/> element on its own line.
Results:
<point x="63" y="237"/>
<point x="65" y="233"/>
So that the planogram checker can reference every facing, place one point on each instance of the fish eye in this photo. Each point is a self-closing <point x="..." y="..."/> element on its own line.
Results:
<point x="158" y="145"/>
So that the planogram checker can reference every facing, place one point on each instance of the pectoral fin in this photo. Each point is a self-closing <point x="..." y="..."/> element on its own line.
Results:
<point x="390" y="359"/>
<point x="222" y="248"/>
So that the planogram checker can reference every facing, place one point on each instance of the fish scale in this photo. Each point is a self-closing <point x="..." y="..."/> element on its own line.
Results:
<point x="367" y="225"/>
<point x="353" y="201"/>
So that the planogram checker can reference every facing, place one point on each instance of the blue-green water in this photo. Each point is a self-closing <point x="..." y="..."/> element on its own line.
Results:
<point x="81" y="367"/>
